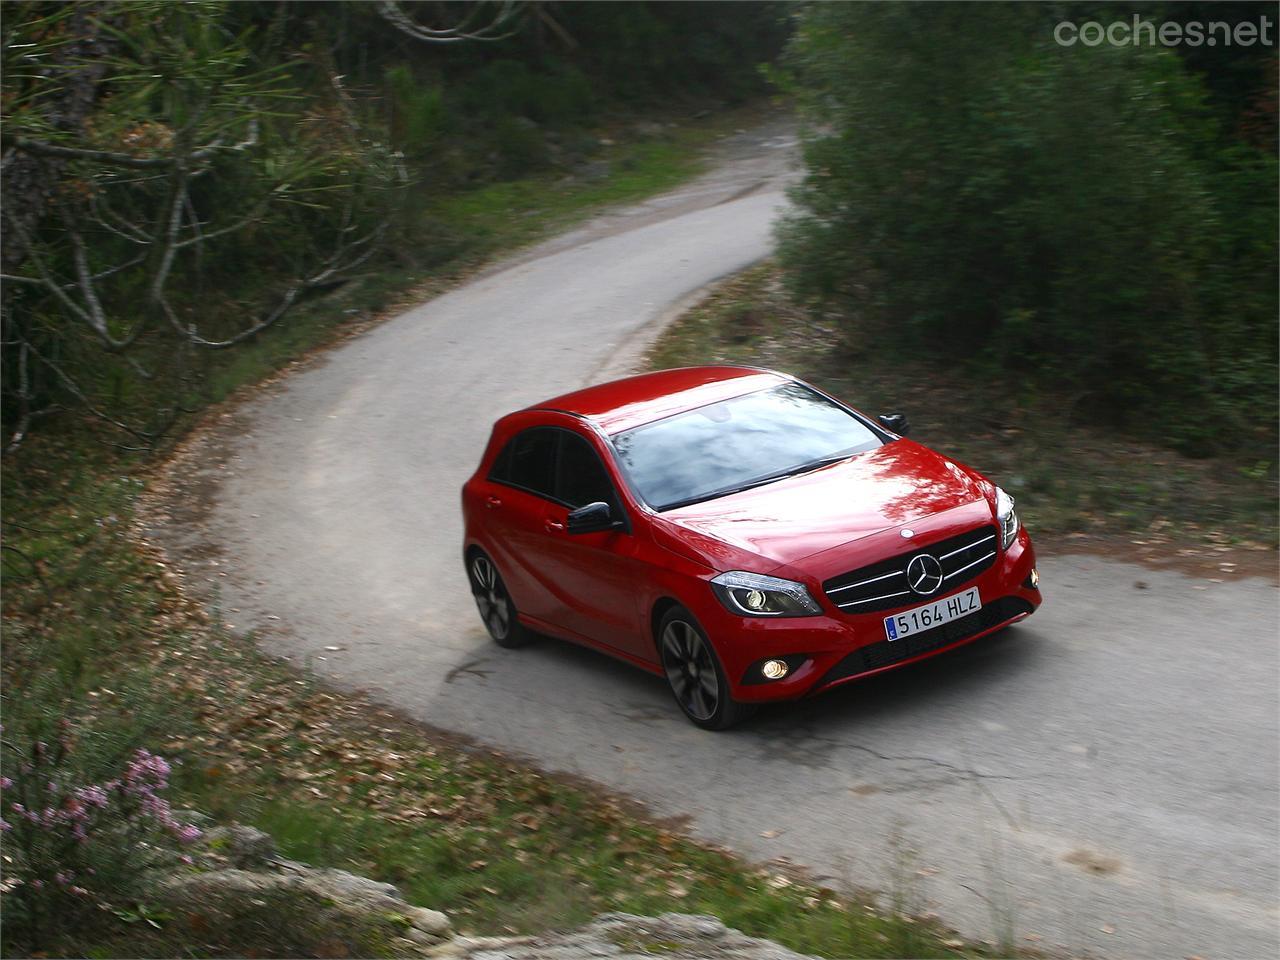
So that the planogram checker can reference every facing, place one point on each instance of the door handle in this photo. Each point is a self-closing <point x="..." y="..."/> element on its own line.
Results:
<point x="553" y="526"/>
<point x="492" y="502"/>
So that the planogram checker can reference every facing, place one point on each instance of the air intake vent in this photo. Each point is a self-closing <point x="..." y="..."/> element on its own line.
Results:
<point x="886" y="653"/>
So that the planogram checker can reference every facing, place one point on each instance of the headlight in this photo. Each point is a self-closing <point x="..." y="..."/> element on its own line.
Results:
<point x="1006" y="517"/>
<point x="755" y="595"/>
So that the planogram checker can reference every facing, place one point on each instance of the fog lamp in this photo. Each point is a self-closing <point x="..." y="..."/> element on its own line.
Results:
<point x="1034" y="579"/>
<point x="774" y="669"/>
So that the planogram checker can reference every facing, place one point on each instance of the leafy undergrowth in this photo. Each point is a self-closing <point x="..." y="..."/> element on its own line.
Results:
<point x="1077" y="484"/>
<point x="100" y="644"/>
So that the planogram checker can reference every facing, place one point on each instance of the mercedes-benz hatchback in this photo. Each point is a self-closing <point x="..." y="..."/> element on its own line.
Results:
<point x="738" y="532"/>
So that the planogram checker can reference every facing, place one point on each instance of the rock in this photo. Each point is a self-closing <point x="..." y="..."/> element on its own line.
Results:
<point x="626" y="937"/>
<point x="594" y="170"/>
<point x="193" y="817"/>
<point x="427" y="933"/>
<point x="422" y="937"/>
<point x="344" y="893"/>
<point x="228" y="882"/>
<point x="446" y="951"/>
<point x="432" y="921"/>
<point x="346" y="887"/>
<point x="242" y="846"/>
<point x="709" y="927"/>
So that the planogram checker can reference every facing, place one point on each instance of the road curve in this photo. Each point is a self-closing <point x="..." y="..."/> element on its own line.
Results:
<point x="1103" y="777"/>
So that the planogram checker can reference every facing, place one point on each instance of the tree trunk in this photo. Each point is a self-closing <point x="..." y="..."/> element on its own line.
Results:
<point x="30" y="179"/>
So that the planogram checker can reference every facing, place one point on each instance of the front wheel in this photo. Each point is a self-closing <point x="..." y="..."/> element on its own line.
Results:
<point x="694" y="673"/>
<point x="494" y="603"/>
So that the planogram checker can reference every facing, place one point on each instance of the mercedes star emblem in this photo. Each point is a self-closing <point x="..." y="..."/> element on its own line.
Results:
<point x="924" y="574"/>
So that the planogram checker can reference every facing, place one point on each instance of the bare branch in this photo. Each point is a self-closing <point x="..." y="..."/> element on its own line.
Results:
<point x="121" y="226"/>
<point x="110" y="157"/>
<point x="544" y="17"/>
<point x="201" y="237"/>
<point x="100" y="275"/>
<point x="35" y="567"/>
<point x="74" y="389"/>
<point x="170" y="235"/>
<point x="24" y="400"/>
<point x="505" y="22"/>
<point x="91" y="313"/>
<point x="347" y="257"/>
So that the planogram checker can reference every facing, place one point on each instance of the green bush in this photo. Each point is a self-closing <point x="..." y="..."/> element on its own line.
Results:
<point x="556" y="94"/>
<point x="419" y="117"/>
<point x="1066" y="217"/>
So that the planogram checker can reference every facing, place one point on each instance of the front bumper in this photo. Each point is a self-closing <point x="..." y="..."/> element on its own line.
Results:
<point x="836" y="647"/>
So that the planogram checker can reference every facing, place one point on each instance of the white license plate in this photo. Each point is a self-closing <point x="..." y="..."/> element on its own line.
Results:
<point x="935" y="614"/>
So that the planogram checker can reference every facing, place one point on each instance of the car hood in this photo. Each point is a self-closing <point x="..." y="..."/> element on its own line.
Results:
<point x="898" y="483"/>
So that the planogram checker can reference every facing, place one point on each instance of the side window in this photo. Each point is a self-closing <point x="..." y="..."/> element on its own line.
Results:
<point x="529" y="461"/>
<point x="582" y="477"/>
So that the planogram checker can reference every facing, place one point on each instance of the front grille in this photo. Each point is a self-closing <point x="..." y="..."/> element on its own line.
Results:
<point x="883" y="585"/>
<point x="885" y="653"/>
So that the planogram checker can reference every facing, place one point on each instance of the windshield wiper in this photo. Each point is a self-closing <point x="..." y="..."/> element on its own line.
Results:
<point x="807" y="467"/>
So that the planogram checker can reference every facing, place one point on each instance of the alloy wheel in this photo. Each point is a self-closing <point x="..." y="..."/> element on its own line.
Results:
<point x="690" y="669"/>
<point x="491" y="597"/>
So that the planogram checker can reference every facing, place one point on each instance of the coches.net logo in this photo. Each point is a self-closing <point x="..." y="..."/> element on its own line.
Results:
<point x="1138" y="32"/>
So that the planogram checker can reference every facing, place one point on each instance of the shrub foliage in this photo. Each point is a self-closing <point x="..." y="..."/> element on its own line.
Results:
<point x="1073" y="219"/>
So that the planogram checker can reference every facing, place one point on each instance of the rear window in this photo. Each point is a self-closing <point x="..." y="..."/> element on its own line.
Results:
<point x="529" y="461"/>
<point x="556" y="464"/>
<point x="745" y="441"/>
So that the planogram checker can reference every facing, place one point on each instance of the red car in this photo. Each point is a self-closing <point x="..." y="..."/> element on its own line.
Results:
<point x="739" y="532"/>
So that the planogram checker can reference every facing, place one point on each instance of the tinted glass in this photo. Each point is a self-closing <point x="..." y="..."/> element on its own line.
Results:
<point x="583" y="478"/>
<point x="529" y="461"/>
<point x="716" y="449"/>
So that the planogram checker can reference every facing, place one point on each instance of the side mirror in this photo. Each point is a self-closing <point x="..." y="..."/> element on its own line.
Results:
<point x="592" y="518"/>
<point x="897" y="422"/>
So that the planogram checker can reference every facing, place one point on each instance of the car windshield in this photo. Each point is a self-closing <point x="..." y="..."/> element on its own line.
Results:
<point x="734" y="444"/>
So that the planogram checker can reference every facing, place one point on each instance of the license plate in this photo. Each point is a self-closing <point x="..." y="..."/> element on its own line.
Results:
<point x="935" y="614"/>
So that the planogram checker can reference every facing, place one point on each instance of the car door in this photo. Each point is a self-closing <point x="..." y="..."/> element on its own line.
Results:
<point x="521" y="489"/>
<point x="596" y="574"/>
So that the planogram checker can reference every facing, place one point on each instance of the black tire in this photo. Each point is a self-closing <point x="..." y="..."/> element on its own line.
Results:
<point x="695" y="675"/>
<point x="497" y="610"/>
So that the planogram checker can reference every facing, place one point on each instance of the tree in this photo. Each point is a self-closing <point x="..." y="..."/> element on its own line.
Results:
<point x="1071" y="219"/>
<point x="149" y="140"/>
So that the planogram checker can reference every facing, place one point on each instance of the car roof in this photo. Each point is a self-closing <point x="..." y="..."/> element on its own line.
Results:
<point x="622" y="404"/>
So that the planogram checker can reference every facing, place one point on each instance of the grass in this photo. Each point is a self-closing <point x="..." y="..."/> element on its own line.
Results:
<point x="99" y="635"/>
<point x="1077" y="483"/>
<point x="523" y="211"/>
